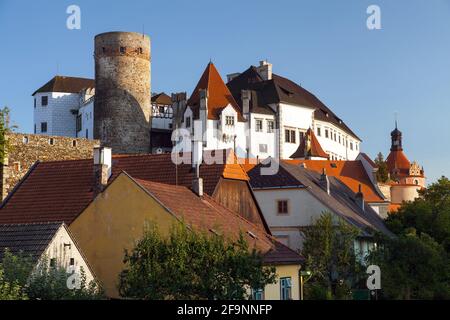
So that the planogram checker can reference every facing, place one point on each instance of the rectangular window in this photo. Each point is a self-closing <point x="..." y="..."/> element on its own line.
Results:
<point x="87" y="134"/>
<point x="35" y="103"/>
<point x="263" y="148"/>
<point x="301" y="136"/>
<point x="72" y="261"/>
<point x="289" y="136"/>
<point x="44" y="101"/>
<point x="34" y="128"/>
<point x="229" y="121"/>
<point x="259" y="125"/>
<point x="188" y="122"/>
<point x="270" y="126"/>
<point x="282" y="206"/>
<point x="79" y="123"/>
<point x="318" y="132"/>
<point x="122" y="50"/>
<point x="351" y="145"/>
<point x="326" y="133"/>
<point x="257" y="294"/>
<point x="43" y="127"/>
<point x="161" y="110"/>
<point x="52" y="262"/>
<point x="286" y="288"/>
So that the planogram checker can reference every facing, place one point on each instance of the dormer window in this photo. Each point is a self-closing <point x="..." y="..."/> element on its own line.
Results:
<point x="229" y="121"/>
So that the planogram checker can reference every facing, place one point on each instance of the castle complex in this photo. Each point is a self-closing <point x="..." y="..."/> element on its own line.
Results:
<point x="256" y="113"/>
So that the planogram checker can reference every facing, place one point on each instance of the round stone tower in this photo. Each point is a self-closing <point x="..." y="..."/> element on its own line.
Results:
<point x="122" y="105"/>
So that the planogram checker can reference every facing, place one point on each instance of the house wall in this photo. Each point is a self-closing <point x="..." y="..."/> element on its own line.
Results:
<point x="58" y="115"/>
<point x="342" y="150"/>
<point x="264" y="137"/>
<point x="303" y="210"/>
<point x="113" y="223"/>
<point x="236" y="196"/>
<point x="273" y="291"/>
<point x="26" y="149"/>
<point x="297" y="118"/>
<point x="62" y="248"/>
<point x="87" y="120"/>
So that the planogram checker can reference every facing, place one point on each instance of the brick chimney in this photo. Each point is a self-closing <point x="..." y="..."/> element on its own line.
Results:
<point x="102" y="168"/>
<point x="359" y="198"/>
<point x="325" y="181"/>
<point x="265" y="70"/>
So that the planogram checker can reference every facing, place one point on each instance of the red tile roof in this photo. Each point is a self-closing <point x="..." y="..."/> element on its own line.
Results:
<point x="205" y="214"/>
<point x="312" y="149"/>
<point x="218" y="94"/>
<point x="351" y="173"/>
<point x="60" y="190"/>
<point x="398" y="160"/>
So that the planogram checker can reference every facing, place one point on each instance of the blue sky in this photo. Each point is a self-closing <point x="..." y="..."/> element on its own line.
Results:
<point x="363" y="76"/>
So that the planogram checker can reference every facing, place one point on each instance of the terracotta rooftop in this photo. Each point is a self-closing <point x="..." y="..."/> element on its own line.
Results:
<point x="162" y="98"/>
<point x="205" y="214"/>
<point x="309" y="147"/>
<point x="66" y="84"/>
<point x="397" y="160"/>
<point x="218" y="94"/>
<point x="60" y="190"/>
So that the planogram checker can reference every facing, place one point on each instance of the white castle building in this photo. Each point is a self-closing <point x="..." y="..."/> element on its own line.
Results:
<point x="260" y="114"/>
<point x="257" y="113"/>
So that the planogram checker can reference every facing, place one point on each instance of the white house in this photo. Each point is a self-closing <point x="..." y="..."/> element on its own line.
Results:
<point x="50" y="243"/>
<point x="295" y="197"/>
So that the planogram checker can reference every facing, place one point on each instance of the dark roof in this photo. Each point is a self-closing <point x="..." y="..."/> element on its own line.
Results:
<point x="61" y="190"/>
<point x="341" y="200"/>
<point x="205" y="214"/>
<point x="66" y="84"/>
<point x="30" y="239"/>
<point x="162" y="98"/>
<point x="280" y="89"/>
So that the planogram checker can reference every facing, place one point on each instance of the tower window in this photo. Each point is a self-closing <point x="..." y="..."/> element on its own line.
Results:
<point x="74" y="143"/>
<point x="140" y="50"/>
<point x="103" y="49"/>
<point x="25" y="140"/>
<point x="122" y="50"/>
<point x="35" y="103"/>
<point x="44" y="101"/>
<point x="51" y="141"/>
<point x="43" y="127"/>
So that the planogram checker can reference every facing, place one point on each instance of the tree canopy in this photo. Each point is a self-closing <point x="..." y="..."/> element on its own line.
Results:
<point x="188" y="264"/>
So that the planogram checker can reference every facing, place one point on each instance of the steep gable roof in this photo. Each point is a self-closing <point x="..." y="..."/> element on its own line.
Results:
<point x="314" y="149"/>
<point x="218" y="94"/>
<point x="61" y="190"/>
<point x="29" y="239"/>
<point x="207" y="215"/>
<point x="397" y="160"/>
<point x="66" y="84"/>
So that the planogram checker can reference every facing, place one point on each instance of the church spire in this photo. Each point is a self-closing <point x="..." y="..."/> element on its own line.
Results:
<point x="396" y="138"/>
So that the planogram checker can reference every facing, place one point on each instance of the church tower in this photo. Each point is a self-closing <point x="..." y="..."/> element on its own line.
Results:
<point x="396" y="139"/>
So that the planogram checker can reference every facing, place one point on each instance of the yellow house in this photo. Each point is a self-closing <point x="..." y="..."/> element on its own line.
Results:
<point x="115" y="221"/>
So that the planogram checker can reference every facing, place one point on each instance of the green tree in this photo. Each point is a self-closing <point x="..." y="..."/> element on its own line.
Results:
<point x="329" y="251"/>
<point x="10" y="290"/>
<point x="191" y="265"/>
<point x="383" y="172"/>
<point x="43" y="282"/>
<point x="413" y="267"/>
<point x="430" y="214"/>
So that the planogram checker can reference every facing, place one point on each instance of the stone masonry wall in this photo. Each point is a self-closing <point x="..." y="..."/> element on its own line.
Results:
<point x="26" y="149"/>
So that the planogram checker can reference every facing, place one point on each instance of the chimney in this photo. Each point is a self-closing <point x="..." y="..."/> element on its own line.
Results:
<point x="359" y="198"/>
<point x="197" y="157"/>
<point x="325" y="181"/>
<point x="231" y="76"/>
<point x="102" y="168"/>
<point x="245" y="97"/>
<point x="265" y="70"/>
<point x="178" y="106"/>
